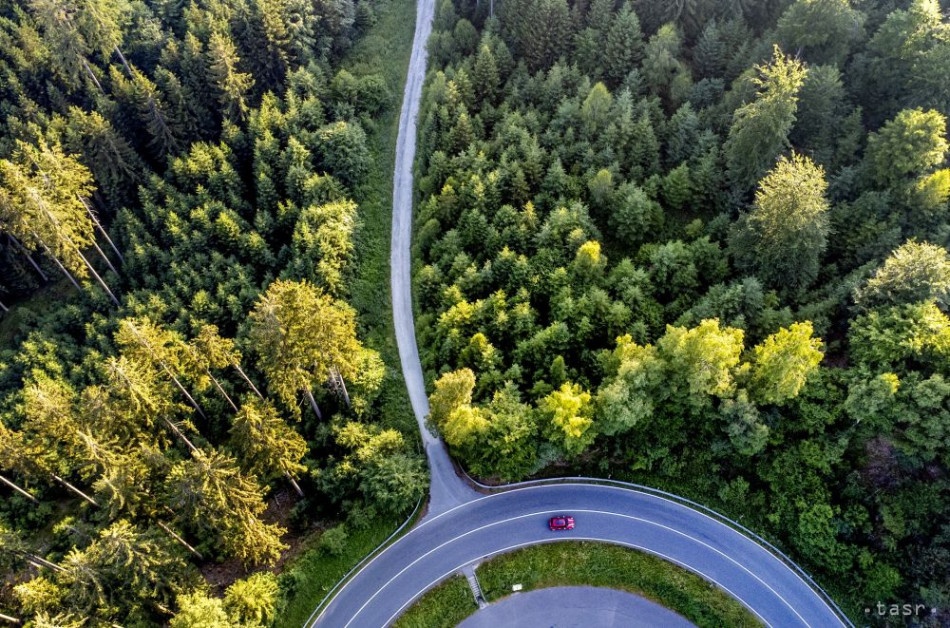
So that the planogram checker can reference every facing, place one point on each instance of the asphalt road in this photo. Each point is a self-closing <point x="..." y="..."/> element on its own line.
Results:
<point x="442" y="544"/>
<point x="575" y="607"/>
<point x="446" y="490"/>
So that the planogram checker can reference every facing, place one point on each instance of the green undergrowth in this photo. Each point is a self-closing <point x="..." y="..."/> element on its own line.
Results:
<point x="385" y="49"/>
<point x="583" y="564"/>
<point x="312" y="575"/>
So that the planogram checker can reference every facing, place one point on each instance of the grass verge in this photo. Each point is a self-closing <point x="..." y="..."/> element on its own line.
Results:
<point x="385" y="49"/>
<point x="442" y="607"/>
<point x="580" y="563"/>
<point x="314" y="573"/>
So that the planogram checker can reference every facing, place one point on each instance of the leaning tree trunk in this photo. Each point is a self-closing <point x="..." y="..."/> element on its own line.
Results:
<point x="180" y="435"/>
<point x="221" y="390"/>
<point x="4" y="307"/>
<point x="74" y="489"/>
<point x="96" y="275"/>
<point x="101" y="230"/>
<point x="58" y="263"/>
<point x="172" y="534"/>
<point x="19" y="490"/>
<point x="122" y="58"/>
<point x="313" y="403"/>
<point x="11" y="620"/>
<point x="29" y="257"/>
<point x="247" y="379"/>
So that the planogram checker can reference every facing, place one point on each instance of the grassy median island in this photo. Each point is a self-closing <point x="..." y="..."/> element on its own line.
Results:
<point x="577" y="564"/>
<point x="446" y="605"/>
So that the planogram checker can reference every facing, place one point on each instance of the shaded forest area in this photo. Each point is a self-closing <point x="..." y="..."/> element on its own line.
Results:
<point x="179" y="188"/>
<point x="702" y="244"/>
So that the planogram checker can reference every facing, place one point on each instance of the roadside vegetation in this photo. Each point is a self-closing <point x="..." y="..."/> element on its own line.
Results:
<point x="704" y="245"/>
<point x="573" y="563"/>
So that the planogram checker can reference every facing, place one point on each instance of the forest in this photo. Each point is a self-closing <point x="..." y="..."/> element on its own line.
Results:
<point x="180" y="188"/>
<point x="702" y="245"/>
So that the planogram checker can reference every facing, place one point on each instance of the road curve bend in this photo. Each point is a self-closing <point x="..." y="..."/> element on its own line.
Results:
<point x="442" y="544"/>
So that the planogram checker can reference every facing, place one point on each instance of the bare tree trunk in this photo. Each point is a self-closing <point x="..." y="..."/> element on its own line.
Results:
<point x="217" y="385"/>
<point x="18" y="489"/>
<point x="40" y="562"/>
<point x="180" y="435"/>
<point x="29" y="257"/>
<point x="85" y="64"/>
<point x="95" y="274"/>
<point x="342" y="384"/>
<point x="248" y="380"/>
<point x="11" y="620"/>
<point x="125" y="63"/>
<point x="168" y="371"/>
<point x="180" y="540"/>
<point x="105" y="259"/>
<point x="58" y="263"/>
<point x="313" y="403"/>
<point x="191" y="400"/>
<point x="4" y="307"/>
<point x="293" y="483"/>
<point x="75" y="490"/>
<point x="101" y="230"/>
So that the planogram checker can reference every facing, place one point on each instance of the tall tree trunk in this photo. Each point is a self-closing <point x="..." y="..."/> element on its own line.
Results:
<point x="180" y="540"/>
<point x="58" y="263"/>
<point x="122" y="58"/>
<point x="342" y="384"/>
<point x="293" y="482"/>
<point x="40" y="562"/>
<point x="29" y="257"/>
<point x="96" y="275"/>
<point x="180" y="435"/>
<point x="74" y="490"/>
<point x="92" y="75"/>
<point x="217" y="385"/>
<point x="105" y="259"/>
<point x="101" y="230"/>
<point x="4" y="307"/>
<point x="19" y="490"/>
<point x="313" y="403"/>
<point x="168" y="371"/>
<point x="248" y="380"/>
<point x="11" y="620"/>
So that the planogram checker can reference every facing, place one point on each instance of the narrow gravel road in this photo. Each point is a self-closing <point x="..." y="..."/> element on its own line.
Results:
<point x="446" y="488"/>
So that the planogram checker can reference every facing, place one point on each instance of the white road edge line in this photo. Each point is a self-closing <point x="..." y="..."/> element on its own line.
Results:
<point x="547" y="512"/>
<point x="510" y="548"/>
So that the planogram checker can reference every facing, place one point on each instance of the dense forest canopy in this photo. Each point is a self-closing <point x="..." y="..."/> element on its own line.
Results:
<point x="702" y="244"/>
<point x="179" y="207"/>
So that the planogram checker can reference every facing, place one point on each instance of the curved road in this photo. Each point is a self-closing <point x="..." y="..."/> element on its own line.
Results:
<point x="442" y="544"/>
<point x="461" y="527"/>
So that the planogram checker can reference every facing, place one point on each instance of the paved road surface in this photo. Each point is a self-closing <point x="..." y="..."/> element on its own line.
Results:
<point x="446" y="489"/>
<point x="442" y="544"/>
<point x="575" y="607"/>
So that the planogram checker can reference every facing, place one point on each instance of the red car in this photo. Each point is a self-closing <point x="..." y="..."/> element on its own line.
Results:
<point x="561" y="522"/>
